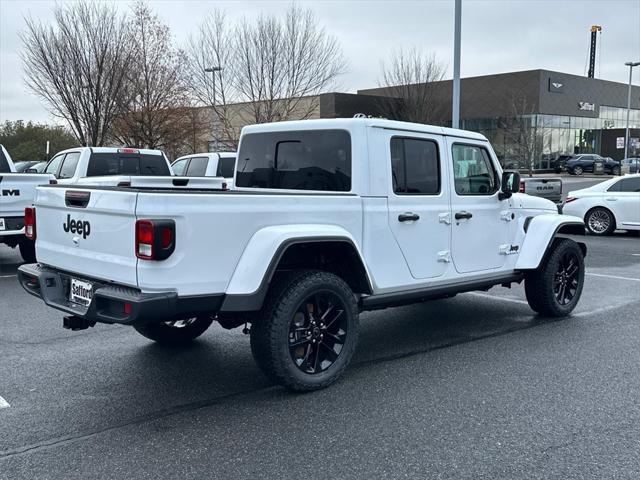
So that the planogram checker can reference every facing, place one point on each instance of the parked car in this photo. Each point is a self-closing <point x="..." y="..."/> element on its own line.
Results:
<point x="21" y="167"/>
<point x="17" y="192"/>
<point x="84" y="164"/>
<point x="328" y="218"/>
<point x="549" y="188"/>
<point x="213" y="164"/>
<point x="607" y="206"/>
<point x="584" y="163"/>
<point x="633" y="164"/>
<point x="559" y="165"/>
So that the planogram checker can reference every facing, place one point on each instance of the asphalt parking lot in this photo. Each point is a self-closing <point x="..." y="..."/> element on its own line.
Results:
<point x="474" y="386"/>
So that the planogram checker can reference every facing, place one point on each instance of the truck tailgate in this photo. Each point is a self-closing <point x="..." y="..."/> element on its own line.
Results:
<point x="550" y="188"/>
<point x="87" y="232"/>
<point x="18" y="190"/>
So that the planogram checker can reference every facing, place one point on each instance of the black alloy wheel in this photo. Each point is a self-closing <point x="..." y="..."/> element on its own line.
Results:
<point x="317" y="332"/>
<point x="566" y="279"/>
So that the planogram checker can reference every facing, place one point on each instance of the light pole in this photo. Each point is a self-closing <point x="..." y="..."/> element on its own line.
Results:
<point x="455" y="107"/>
<point x="213" y="71"/>
<point x="626" y="134"/>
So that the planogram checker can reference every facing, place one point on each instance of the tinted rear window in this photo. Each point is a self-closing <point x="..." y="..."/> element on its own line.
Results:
<point x="197" y="167"/>
<point x="303" y="160"/>
<point x="126" y="164"/>
<point x="226" y="166"/>
<point x="4" y="163"/>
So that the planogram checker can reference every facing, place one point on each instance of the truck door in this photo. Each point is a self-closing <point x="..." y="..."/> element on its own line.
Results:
<point x="418" y="201"/>
<point x="480" y="221"/>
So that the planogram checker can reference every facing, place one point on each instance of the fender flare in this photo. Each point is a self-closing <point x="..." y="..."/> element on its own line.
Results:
<point x="250" y="280"/>
<point x="542" y="230"/>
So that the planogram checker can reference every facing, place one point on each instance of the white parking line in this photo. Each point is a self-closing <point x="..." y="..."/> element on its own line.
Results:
<point x="8" y="276"/>
<point x="614" y="277"/>
<point x="4" y="403"/>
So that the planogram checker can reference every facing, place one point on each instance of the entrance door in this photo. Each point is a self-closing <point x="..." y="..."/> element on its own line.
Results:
<point x="418" y="202"/>
<point x="479" y="232"/>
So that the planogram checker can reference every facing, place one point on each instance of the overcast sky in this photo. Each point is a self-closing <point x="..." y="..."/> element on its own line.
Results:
<point x="497" y="36"/>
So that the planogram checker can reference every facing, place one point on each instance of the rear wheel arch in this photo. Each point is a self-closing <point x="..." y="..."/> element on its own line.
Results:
<point x="337" y="255"/>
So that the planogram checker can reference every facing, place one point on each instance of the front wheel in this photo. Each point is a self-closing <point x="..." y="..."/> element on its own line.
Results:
<point x="578" y="171"/>
<point x="616" y="171"/>
<point x="307" y="333"/>
<point x="600" y="221"/>
<point x="176" y="332"/>
<point x="28" y="251"/>
<point x="553" y="290"/>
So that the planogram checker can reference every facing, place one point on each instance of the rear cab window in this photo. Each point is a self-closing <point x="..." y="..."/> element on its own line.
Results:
<point x="318" y="160"/>
<point x="226" y="167"/>
<point x="4" y="163"/>
<point x="104" y="164"/>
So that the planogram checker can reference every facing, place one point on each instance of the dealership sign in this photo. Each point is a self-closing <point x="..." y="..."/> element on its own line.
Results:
<point x="556" y="86"/>
<point x="619" y="143"/>
<point x="590" y="107"/>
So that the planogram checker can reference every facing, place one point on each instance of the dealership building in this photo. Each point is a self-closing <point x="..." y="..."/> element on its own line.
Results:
<point x="565" y="113"/>
<point x="551" y="113"/>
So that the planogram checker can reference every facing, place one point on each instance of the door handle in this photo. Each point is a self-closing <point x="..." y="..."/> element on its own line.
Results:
<point x="461" y="215"/>
<point x="408" y="217"/>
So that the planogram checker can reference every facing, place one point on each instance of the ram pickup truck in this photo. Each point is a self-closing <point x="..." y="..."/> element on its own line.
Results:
<point x="549" y="188"/>
<point x="213" y="164"/>
<point x="328" y="218"/>
<point x="17" y="191"/>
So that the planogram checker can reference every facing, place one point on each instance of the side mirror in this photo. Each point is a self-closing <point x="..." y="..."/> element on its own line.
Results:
<point x="31" y="170"/>
<point x="510" y="185"/>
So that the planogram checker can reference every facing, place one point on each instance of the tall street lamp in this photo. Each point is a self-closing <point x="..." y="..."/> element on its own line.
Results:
<point x="626" y="135"/>
<point x="213" y="71"/>
<point x="455" y="107"/>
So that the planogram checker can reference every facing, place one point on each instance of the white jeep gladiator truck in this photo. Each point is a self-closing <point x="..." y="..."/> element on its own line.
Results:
<point x="17" y="191"/>
<point x="328" y="218"/>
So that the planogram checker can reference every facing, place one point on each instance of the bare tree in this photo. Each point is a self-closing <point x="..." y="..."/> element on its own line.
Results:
<point x="212" y="47"/>
<point x="279" y="63"/>
<point x="524" y="136"/>
<point x="272" y="69"/>
<point x="78" y="66"/>
<point x="409" y="76"/>
<point x="152" y="113"/>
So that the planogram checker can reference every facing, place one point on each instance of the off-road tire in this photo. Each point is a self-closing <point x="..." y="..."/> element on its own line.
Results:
<point x="165" y="334"/>
<point x="28" y="251"/>
<point x="540" y="283"/>
<point x="270" y="332"/>
<point x="603" y="212"/>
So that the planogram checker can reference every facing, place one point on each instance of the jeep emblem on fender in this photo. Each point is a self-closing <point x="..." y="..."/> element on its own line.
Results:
<point x="77" y="226"/>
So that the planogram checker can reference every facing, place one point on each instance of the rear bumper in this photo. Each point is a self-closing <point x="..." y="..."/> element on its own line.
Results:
<point x="14" y="226"/>
<point x="109" y="300"/>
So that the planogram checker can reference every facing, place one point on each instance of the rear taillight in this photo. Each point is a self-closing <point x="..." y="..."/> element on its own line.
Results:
<point x="155" y="239"/>
<point x="30" y="223"/>
<point x="570" y="199"/>
<point x="522" y="189"/>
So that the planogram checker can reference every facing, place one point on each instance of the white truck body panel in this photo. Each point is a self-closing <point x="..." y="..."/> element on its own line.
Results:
<point x="225" y="241"/>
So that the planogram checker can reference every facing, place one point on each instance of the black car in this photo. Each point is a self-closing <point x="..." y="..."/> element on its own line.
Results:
<point x="560" y="163"/>
<point x="582" y="163"/>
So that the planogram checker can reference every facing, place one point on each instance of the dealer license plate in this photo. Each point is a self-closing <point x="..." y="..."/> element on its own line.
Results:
<point x="80" y="291"/>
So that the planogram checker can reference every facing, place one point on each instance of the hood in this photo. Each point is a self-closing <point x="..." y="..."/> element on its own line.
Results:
<point x="522" y="200"/>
